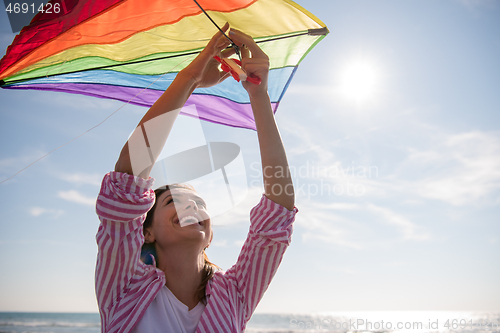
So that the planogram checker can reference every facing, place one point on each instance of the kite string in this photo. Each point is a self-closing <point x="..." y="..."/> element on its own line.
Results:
<point x="93" y="127"/>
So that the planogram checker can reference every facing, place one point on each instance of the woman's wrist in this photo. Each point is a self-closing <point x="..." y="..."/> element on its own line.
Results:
<point x="258" y="95"/>
<point x="187" y="79"/>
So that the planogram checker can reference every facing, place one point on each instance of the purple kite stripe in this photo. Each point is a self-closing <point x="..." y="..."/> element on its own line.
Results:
<point x="211" y="108"/>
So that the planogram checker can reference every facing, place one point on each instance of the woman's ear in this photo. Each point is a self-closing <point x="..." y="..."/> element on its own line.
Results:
<point x="148" y="236"/>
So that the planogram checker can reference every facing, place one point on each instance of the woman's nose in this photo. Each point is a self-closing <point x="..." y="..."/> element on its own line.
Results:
<point x="190" y="204"/>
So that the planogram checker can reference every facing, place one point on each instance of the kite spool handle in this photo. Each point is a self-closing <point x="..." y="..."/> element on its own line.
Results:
<point x="233" y="66"/>
<point x="254" y="79"/>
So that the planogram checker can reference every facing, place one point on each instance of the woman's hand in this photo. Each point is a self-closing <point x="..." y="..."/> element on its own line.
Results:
<point x="204" y="69"/>
<point x="254" y="61"/>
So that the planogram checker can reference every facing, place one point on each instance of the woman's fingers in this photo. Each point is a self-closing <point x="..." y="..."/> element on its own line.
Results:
<point x="219" y="41"/>
<point x="219" y="34"/>
<point x="254" y="61"/>
<point x="241" y="38"/>
<point x="256" y="66"/>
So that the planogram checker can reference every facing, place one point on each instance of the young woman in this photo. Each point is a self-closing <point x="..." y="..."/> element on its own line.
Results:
<point x="182" y="291"/>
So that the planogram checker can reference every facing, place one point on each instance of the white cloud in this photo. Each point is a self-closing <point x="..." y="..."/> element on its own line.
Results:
<point x="462" y="168"/>
<point x="458" y="168"/>
<point x="308" y="142"/>
<point x="421" y="162"/>
<point x="343" y="206"/>
<point x="406" y="227"/>
<point x="221" y="243"/>
<point x="11" y="166"/>
<point x="319" y="168"/>
<point x="77" y="197"/>
<point x="334" y="224"/>
<point x="322" y="224"/>
<point x="83" y="103"/>
<point x="38" y="211"/>
<point x="239" y="242"/>
<point x="241" y="212"/>
<point x="82" y="178"/>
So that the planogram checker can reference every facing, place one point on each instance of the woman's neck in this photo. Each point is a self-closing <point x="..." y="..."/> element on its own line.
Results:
<point x="183" y="270"/>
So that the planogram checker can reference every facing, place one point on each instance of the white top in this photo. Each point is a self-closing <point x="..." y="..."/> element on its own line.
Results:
<point x="167" y="314"/>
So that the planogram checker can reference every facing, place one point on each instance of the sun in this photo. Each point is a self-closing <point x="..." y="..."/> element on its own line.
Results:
<point x="358" y="81"/>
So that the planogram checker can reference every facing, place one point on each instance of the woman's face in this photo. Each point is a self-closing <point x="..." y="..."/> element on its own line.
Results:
<point x="176" y="207"/>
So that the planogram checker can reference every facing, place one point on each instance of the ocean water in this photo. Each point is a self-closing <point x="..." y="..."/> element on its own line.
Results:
<point x="49" y="322"/>
<point x="437" y="321"/>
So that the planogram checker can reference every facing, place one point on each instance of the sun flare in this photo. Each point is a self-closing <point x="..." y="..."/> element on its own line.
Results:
<point x="359" y="81"/>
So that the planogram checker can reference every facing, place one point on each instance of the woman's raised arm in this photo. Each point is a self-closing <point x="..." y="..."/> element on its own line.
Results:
<point x="278" y="184"/>
<point x="146" y="143"/>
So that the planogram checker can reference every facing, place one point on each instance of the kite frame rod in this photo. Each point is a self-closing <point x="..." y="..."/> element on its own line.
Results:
<point x="312" y="32"/>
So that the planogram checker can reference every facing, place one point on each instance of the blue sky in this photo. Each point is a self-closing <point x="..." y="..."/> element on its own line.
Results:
<point x="391" y="125"/>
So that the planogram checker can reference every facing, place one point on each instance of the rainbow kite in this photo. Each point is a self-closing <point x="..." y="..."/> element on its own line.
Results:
<point x="116" y="48"/>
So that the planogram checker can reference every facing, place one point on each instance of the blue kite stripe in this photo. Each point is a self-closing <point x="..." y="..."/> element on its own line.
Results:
<point x="230" y="88"/>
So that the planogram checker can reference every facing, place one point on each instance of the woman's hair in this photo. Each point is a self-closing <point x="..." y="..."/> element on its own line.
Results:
<point x="148" y="249"/>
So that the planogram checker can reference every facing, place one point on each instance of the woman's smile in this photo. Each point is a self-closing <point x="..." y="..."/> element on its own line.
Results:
<point x="188" y="220"/>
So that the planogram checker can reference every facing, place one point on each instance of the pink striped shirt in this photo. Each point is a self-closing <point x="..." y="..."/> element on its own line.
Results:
<point x="125" y="286"/>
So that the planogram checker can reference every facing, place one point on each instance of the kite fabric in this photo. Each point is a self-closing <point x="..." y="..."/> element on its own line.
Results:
<point x="116" y="48"/>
